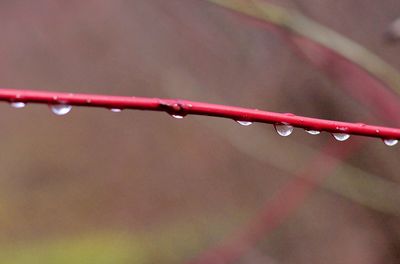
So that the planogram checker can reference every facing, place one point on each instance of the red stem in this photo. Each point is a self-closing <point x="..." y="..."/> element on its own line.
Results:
<point x="184" y="107"/>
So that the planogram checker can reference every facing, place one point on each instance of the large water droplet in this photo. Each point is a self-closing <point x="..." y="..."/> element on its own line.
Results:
<point x="390" y="142"/>
<point x="341" y="136"/>
<point x="244" y="123"/>
<point x="313" y="132"/>
<point x="177" y="116"/>
<point x="283" y="130"/>
<point x="61" y="109"/>
<point x="18" y="104"/>
<point x="116" y="110"/>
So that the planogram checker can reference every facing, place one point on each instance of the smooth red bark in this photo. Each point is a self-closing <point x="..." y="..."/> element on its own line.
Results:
<point x="185" y="107"/>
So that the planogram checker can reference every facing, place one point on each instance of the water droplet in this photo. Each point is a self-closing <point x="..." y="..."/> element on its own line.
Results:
<point x="390" y="142"/>
<point x="283" y="130"/>
<point x="18" y="104"/>
<point x="61" y="109"/>
<point x="177" y="116"/>
<point x="244" y="123"/>
<point x="313" y="132"/>
<point x="116" y="110"/>
<point x="341" y="136"/>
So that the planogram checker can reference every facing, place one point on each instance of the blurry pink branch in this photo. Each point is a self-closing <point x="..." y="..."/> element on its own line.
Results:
<point x="362" y="74"/>
<point x="287" y="200"/>
<point x="284" y="123"/>
<point x="357" y="83"/>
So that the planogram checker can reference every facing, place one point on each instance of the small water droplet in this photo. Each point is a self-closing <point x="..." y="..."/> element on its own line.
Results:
<point x="244" y="123"/>
<point x="283" y="130"/>
<point x="116" y="110"/>
<point x="18" y="104"/>
<point x="177" y="116"/>
<point x="313" y="132"/>
<point x="390" y="142"/>
<point x="61" y="109"/>
<point x="341" y="136"/>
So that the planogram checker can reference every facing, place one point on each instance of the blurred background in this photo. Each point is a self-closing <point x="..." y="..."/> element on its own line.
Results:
<point x="141" y="187"/>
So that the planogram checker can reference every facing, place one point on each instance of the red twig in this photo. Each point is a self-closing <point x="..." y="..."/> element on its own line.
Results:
<point x="276" y="210"/>
<point x="183" y="107"/>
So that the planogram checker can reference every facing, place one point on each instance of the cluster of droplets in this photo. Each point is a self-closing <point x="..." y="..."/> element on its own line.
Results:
<point x="283" y="129"/>
<point x="58" y="109"/>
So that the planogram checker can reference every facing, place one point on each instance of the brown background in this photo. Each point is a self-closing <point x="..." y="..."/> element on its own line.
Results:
<point x="144" y="184"/>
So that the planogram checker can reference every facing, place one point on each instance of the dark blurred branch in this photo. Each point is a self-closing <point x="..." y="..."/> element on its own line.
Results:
<point x="364" y="75"/>
<point x="303" y="26"/>
<point x="348" y="181"/>
<point x="283" y="204"/>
